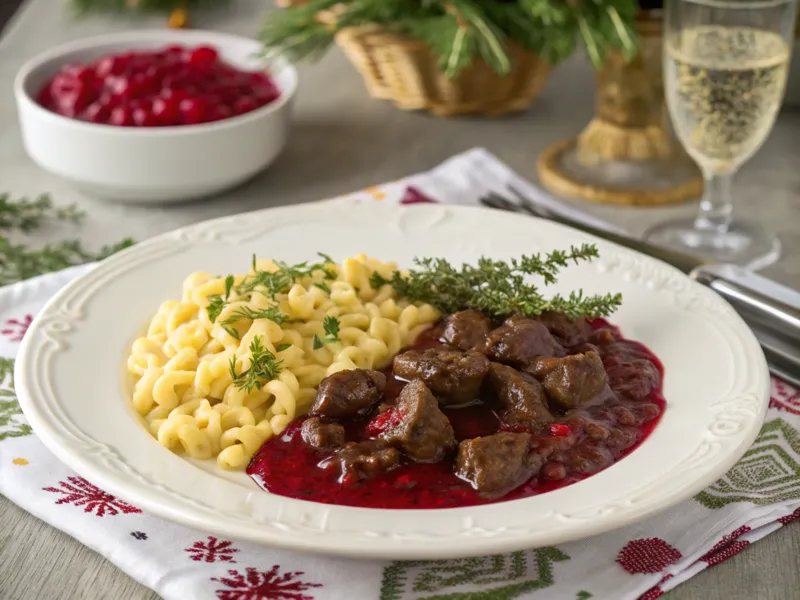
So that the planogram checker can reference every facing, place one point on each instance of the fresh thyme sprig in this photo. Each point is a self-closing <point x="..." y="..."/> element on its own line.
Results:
<point x="499" y="288"/>
<point x="217" y="302"/>
<point x="18" y="262"/>
<point x="245" y="312"/>
<point x="264" y="367"/>
<point x="280" y="281"/>
<point x="26" y="215"/>
<point x="331" y="327"/>
<point x="271" y="283"/>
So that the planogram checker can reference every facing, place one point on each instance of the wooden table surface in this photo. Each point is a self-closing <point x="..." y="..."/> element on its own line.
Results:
<point x="341" y="141"/>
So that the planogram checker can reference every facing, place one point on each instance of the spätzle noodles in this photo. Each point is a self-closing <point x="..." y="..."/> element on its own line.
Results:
<point x="184" y="385"/>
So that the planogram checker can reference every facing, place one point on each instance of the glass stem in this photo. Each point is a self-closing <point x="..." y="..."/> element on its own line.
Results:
<point x="716" y="207"/>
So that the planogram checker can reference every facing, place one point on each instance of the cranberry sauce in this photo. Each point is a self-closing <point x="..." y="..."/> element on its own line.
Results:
<point x="175" y="85"/>
<point x="286" y="466"/>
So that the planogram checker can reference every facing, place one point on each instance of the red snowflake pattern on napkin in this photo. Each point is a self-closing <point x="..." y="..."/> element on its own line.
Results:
<point x="786" y="398"/>
<point x="15" y="329"/>
<point x="212" y="550"/>
<point x="79" y="492"/>
<point x="263" y="585"/>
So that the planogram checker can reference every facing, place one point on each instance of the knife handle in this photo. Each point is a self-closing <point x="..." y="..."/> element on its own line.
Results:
<point x="771" y="311"/>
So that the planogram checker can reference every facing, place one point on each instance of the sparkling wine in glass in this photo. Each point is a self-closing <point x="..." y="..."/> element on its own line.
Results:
<point x="725" y="69"/>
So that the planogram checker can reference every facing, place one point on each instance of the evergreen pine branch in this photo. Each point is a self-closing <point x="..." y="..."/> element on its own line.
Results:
<point x="81" y="8"/>
<point x="296" y="33"/>
<point x="490" y="39"/>
<point x="461" y="31"/>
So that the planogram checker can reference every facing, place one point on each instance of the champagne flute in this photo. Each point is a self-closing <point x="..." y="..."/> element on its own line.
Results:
<point x="725" y="69"/>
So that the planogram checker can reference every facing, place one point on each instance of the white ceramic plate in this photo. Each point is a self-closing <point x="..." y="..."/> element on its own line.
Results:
<point x="73" y="387"/>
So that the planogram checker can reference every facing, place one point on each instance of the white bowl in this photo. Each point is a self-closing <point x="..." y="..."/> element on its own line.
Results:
<point x="153" y="164"/>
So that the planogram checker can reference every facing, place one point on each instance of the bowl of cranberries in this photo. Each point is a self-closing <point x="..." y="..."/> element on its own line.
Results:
<point x="155" y="116"/>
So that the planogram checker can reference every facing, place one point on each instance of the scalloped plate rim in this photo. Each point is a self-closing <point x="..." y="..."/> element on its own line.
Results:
<point x="377" y="547"/>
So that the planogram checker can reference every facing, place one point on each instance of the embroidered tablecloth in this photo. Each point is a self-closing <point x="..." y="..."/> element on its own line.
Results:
<point x="758" y="496"/>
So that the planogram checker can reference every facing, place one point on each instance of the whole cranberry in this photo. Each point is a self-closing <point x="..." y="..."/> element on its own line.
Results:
<point x="143" y="117"/>
<point x="120" y="87"/>
<point x="96" y="112"/>
<point x="173" y="93"/>
<point x="121" y="115"/>
<point x="81" y="73"/>
<point x="202" y="55"/>
<point x="266" y="92"/>
<point x="165" y="110"/>
<point x="218" y="113"/>
<point x="109" y="65"/>
<point x="61" y="84"/>
<point x="45" y="97"/>
<point x="72" y="102"/>
<point x="176" y="49"/>
<point x="141" y="85"/>
<point x="192" y="111"/>
<point x="243" y="105"/>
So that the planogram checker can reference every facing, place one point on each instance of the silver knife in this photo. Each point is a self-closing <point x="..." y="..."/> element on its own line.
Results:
<point x="773" y="316"/>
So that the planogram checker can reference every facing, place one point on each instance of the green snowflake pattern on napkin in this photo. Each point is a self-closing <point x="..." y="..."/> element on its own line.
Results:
<point x="12" y="422"/>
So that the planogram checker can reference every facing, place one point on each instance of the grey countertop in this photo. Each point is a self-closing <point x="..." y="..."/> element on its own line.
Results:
<point x="342" y="141"/>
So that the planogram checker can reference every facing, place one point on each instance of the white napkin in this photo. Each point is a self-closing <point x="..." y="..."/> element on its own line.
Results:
<point x="758" y="496"/>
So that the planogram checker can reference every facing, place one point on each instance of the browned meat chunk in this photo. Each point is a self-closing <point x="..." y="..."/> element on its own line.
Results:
<point x="455" y="377"/>
<point x="466" y="329"/>
<point x="572" y="380"/>
<point x="320" y="434"/>
<point x="362" y="460"/>
<point x="349" y="392"/>
<point x="635" y="379"/>
<point x="568" y="332"/>
<point x="519" y="341"/>
<point x="418" y="426"/>
<point x="495" y="464"/>
<point x="520" y="398"/>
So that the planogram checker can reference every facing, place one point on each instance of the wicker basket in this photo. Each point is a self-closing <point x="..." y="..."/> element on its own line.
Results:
<point x="404" y="70"/>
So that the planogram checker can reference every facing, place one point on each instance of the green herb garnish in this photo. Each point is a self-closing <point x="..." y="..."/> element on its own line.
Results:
<point x="282" y="347"/>
<point x="18" y="262"/>
<point x="217" y="302"/>
<point x="245" y="312"/>
<point x="281" y="280"/>
<point x="499" y="288"/>
<point x="323" y="286"/>
<point x="264" y="367"/>
<point x="331" y="327"/>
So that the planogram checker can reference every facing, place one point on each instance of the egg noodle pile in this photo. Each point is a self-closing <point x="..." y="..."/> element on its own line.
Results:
<point x="197" y="383"/>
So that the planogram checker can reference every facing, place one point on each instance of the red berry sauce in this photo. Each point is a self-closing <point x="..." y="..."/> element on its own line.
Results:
<point x="286" y="466"/>
<point x="175" y="85"/>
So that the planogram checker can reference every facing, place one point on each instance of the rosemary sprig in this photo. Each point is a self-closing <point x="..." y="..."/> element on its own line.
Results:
<point x="264" y="367"/>
<point x="499" y="288"/>
<point x="331" y="327"/>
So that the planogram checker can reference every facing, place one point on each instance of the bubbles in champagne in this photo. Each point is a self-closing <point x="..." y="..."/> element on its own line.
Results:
<point x="724" y="86"/>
